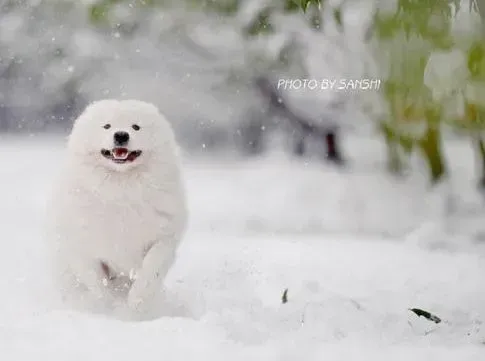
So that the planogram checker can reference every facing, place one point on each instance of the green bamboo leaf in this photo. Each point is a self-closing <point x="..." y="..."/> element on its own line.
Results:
<point x="260" y="25"/>
<point x="337" y="15"/>
<point x="387" y="27"/>
<point x="98" y="12"/>
<point x="476" y="56"/>
<point x="292" y="5"/>
<point x="304" y="4"/>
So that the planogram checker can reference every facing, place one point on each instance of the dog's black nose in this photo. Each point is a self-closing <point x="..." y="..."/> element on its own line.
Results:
<point x="121" y="138"/>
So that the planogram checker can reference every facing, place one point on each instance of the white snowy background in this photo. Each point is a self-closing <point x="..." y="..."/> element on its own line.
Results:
<point x="355" y="250"/>
<point x="355" y="247"/>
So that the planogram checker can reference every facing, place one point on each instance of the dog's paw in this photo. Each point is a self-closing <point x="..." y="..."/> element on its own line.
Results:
<point x="135" y="302"/>
<point x="133" y="275"/>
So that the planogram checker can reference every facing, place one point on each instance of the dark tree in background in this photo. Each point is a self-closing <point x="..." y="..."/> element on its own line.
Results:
<point x="303" y="128"/>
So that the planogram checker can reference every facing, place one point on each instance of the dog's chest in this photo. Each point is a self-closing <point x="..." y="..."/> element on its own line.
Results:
<point x="122" y="226"/>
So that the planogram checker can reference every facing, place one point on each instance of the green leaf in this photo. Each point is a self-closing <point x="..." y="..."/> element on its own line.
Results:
<point x="292" y="5"/>
<point x="428" y="19"/>
<point x="476" y="56"/>
<point x="425" y="314"/>
<point x="387" y="27"/>
<point x="304" y="4"/>
<point x="260" y="25"/>
<point x="98" y="12"/>
<point x="337" y="15"/>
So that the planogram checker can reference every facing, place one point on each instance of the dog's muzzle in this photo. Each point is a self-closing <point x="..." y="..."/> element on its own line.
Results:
<point x="121" y="155"/>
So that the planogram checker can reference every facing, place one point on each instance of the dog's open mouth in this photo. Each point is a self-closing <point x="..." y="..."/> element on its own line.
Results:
<point x="121" y="155"/>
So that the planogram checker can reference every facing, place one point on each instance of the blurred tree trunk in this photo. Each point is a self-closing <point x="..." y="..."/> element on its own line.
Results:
<point x="481" y="11"/>
<point x="480" y="146"/>
<point x="3" y="119"/>
<point x="430" y="146"/>
<point x="394" y="161"/>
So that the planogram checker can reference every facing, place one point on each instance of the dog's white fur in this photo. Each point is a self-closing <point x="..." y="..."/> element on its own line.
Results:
<point x="131" y="217"/>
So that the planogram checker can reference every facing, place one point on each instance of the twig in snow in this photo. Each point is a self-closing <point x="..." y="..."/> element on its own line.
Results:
<point x="284" y="298"/>
<point x="426" y="314"/>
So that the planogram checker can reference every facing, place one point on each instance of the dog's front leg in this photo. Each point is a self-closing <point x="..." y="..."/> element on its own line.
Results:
<point x="148" y="280"/>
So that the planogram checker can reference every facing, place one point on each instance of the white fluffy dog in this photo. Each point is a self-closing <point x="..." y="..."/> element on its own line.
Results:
<point x="118" y="214"/>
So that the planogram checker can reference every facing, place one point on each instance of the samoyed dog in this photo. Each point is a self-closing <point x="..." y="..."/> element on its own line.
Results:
<point x="118" y="212"/>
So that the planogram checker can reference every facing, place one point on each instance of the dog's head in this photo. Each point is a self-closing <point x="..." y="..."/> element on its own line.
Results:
<point x="121" y="135"/>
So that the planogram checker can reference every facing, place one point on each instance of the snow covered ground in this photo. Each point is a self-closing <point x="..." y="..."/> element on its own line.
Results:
<point x="355" y="249"/>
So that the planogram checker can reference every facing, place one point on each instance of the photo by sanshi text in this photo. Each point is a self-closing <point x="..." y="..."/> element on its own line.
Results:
<point x="329" y="84"/>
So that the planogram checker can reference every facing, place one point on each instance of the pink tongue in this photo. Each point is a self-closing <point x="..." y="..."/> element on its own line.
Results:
<point x="120" y="152"/>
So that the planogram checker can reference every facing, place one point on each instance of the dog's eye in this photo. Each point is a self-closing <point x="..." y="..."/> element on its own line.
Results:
<point x="107" y="126"/>
<point x="136" y="126"/>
